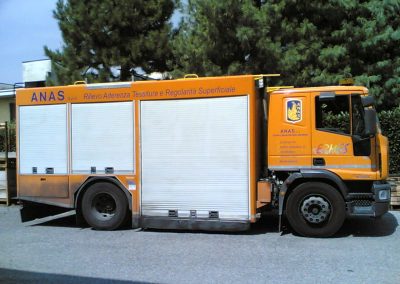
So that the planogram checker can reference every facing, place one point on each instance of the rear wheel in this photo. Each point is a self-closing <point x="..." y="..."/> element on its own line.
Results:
<point x="315" y="209"/>
<point x="104" y="206"/>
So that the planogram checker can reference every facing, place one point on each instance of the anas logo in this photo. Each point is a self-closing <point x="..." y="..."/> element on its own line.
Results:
<point x="47" y="96"/>
<point x="294" y="110"/>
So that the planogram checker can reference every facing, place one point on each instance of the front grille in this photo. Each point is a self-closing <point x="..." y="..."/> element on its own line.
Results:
<point x="361" y="203"/>
<point x="361" y="196"/>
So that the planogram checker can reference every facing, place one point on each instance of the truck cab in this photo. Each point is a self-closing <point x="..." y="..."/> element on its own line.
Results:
<point x="327" y="156"/>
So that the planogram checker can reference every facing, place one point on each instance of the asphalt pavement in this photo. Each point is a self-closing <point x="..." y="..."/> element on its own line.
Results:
<point x="364" y="251"/>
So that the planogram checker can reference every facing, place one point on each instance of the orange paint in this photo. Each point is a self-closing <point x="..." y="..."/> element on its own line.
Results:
<point x="145" y="90"/>
<point x="294" y="141"/>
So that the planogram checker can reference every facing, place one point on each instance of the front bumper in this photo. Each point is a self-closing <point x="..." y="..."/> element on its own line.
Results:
<point x="374" y="204"/>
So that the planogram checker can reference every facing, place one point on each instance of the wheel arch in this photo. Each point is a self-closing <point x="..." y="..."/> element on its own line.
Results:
<point x="92" y="180"/>
<point x="319" y="176"/>
<point x="295" y="179"/>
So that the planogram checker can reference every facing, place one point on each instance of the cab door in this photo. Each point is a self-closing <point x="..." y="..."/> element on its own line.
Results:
<point x="337" y="141"/>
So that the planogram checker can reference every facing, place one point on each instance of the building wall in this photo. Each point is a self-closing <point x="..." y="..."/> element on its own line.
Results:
<point x="35" y="73"/>
<point x="5" y="109"/>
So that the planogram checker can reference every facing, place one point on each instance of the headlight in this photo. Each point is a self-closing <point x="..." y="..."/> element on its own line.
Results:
<point x="384" y="194"/>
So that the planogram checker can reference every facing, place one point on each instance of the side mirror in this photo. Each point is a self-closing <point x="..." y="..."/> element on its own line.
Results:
<point x="367" y="101"/>
<point x="370" y="122"/>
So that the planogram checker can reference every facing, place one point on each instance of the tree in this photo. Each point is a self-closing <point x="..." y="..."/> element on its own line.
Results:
<point x="376" y="59"/>
<point x="103" y="36"/>
<point x="309" y="42"/>
<point x="206" y="42"/>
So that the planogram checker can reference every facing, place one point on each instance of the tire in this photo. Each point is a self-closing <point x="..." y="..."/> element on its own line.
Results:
<point x="104" y="206"/>
<point x="315" y="209"/>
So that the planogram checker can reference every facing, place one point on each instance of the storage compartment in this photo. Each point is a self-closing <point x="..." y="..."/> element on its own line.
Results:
<point x="43" y="186"/>
<point x="102" y="138"/>
<point x="43" y="139"/>
<point x="195" y="158"/>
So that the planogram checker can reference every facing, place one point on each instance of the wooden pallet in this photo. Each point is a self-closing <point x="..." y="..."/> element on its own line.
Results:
<point x="4" y="193"/>
<point x="395" y="192"/>
<point x="3" y="182"/>
<point x="3" y="164"/>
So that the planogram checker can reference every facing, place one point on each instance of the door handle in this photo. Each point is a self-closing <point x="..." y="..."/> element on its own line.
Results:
<point x="318" y="161"/>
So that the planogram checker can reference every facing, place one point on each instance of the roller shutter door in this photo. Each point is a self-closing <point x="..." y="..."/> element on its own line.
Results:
<point x="102" y="137"/>
<point x="195" y="157"/>
<point x="43" y="138"/>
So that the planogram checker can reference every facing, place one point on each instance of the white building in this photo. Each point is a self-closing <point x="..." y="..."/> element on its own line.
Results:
<point x="7" y="102"/>
<point x="34" y="74"/>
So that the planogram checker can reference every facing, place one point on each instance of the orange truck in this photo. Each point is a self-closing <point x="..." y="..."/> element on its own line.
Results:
<point x="207" y="153"/>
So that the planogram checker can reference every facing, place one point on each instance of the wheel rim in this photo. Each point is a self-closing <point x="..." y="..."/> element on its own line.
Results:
<point x="103" y="206"/>
<point x="315" y="209"/>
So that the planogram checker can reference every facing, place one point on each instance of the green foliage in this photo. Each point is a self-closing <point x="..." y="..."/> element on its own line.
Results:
<point x="224" y="37"/>
<point x="390" y="124"/>
<point x="101" y="35"/>
<point x="309" y="42"/>
<point x="206" y="42"/>
<point x="339" y="122"/>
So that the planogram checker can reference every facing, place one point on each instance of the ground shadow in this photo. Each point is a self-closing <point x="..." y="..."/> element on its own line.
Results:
<point x="269" y="222"/>
<point x="369" y="227"/>
<point x="353" y="226"/>
<point x="71" y="222"/>
<point x="20" y="276"/>
<point x="359" y="226"/>
<point x="31" y="211"/>
<point x="34" y="214"/>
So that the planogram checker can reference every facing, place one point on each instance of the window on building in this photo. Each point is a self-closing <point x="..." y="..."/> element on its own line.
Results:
<point x="12" y="111"/>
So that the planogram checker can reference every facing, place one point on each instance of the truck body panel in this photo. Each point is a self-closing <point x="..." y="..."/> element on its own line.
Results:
<point x="200" y="153"/>
<point x="126" y="127"/>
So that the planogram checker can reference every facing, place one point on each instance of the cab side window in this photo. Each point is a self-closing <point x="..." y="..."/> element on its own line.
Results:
<point x="333" y="115"/>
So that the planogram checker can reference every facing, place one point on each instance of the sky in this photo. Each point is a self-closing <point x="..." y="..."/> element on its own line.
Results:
<point x="26" y="26"/>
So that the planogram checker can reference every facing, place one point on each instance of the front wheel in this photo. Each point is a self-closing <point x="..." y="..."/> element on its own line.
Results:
<point x="315" y="209"/>
<point x="104" y="206"/>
